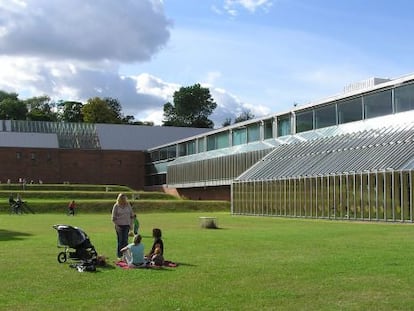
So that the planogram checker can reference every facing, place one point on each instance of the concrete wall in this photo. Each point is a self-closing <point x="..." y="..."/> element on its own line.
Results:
<point x="73" y="166"/>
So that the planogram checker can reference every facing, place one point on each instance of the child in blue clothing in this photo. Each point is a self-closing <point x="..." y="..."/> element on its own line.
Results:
<point x="133" y="254"/>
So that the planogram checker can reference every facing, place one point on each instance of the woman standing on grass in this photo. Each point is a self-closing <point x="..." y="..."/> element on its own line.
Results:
<point x="122" y="217"/>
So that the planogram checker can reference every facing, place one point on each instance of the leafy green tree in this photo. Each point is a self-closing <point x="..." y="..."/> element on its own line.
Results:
<point x="226" y="122"/>
<point x="115" y="106"/>
<point x="244" y="116"/>
<point x="4" y="95"/>
<point x="11" y="108"/>
<point x="41" y="109"/>
<point x="192" y="107"/>
<point x="70" y="111"/>
<point x="97" y="110"/>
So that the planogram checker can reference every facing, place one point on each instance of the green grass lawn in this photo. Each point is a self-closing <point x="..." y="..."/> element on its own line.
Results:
<point x="250" y="263"/>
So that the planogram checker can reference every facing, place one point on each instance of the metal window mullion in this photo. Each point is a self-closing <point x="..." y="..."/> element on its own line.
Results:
<point x="361" y="193"/>
<point x="294" y="197"/>
<point x="376" y="194"/>
<point x="316" y="196"/>
<point x="304" y="195"/>
<point x="384" y="186"/>
<point x="328" y="197"/>
<point x="354" y="195"/>
<point x="334" y="195"/>
<point x="393" y="193"/>
<point x="369" y="195"/>
<point x="411" y="194"/>
<point x="347" y="195"/>
<point x="285" y="195"/>
<point x="311" y="196"/>
<point x="402" y="195"/>
<point x="300" y="197"/>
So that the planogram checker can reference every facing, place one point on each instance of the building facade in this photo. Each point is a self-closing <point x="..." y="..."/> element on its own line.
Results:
<point x="350" y="156"/>
<point x="57" y="152"/>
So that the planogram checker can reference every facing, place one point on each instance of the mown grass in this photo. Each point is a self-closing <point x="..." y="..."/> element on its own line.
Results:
<point x="54" y="198"/>
<point x="250" y="263"/>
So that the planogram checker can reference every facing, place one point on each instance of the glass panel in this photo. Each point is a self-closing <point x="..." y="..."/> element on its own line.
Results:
<point x="191" y="147"/>
<point x="325" y="116"/>
<point x="377" y="104"/>
<point x="350" y="110"/>
<point x="404" y="98"/>
<point x="163" y="154"/>
<point x="155" y="155"/>
<point x="218" y="141"/>
<point x="211" y="142"/>
<point x="304" y="121"/>
<point x="268" y="129"/>
<point x="181" y="149"/>
<point x="253" y="133"/>
<point x="201" y="145"/>
<point x="239" y="136"/>
<point x="222" y="140"/>
<point x="172" y="152"/>
<point x="283" y="125"/>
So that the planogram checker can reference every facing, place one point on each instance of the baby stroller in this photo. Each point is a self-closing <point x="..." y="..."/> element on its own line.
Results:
<point x="74" y="238"/>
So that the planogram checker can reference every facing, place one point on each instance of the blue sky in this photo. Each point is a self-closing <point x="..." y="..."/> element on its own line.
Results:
<point x="257" y="55"/>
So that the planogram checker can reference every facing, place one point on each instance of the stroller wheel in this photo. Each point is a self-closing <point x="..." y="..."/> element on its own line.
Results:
<point x="61" y="257"/>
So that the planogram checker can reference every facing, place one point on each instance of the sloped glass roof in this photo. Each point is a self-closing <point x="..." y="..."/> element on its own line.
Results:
<point x="365" y="147"/>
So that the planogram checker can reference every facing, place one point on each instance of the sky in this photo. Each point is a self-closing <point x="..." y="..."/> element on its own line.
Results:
<point x="262" y="56"/>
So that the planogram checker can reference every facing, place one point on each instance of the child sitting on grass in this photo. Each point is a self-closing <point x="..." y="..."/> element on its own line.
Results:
<point x="156" y="234"/>
<point x="157" y="259"/>
<point x="133" y="254"/>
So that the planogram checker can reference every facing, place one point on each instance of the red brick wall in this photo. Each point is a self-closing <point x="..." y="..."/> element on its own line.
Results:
<point x="200" y="193"/>
<point x="73" y="166"/>
<point x="206" y="193"/>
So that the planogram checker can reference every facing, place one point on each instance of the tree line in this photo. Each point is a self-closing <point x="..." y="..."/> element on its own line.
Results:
<point x="191" y="107"/>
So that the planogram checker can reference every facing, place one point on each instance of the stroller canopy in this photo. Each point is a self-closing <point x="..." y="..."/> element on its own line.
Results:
<point x="70" y="236"/>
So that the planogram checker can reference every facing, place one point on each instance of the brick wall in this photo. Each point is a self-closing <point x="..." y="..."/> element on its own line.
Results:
<point x="206" y="193"/>
<point x="73" y="166"/>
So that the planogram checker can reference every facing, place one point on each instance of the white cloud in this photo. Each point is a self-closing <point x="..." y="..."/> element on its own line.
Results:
<point x="128" y="31"/>
<point x="250" y="5"/>
<point x="149" y="84"/>
<point x="212" y="77"/>
<point x="73" y="50"/>
<point x="230" y="107"/>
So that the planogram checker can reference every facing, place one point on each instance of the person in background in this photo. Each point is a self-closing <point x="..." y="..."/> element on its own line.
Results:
<point x="122" y="216"/>
<point x="71" y="208"/>
<point x="136" y="224"/>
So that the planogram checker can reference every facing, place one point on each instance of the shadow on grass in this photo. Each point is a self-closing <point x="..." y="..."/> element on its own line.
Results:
<point x="7" y="235"/>
<point x="179" y="264"/>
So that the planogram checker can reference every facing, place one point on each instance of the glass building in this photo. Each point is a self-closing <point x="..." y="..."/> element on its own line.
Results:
<point x="347" y="157"/>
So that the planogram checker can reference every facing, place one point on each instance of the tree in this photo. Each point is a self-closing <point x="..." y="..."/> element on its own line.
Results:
<point x="192" y="107"/>
<point x="115" y="106"/>
<point x="97" y="110"/>
<point x="41" y="109"/>
<point x="71" y="111"/>
<point x="244" y="116"/>
<point x="12" y="108"/>
<point x="226" y="122"/>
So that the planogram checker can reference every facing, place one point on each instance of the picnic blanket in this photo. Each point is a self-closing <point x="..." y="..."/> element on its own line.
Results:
<point x="167" y="263"/>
